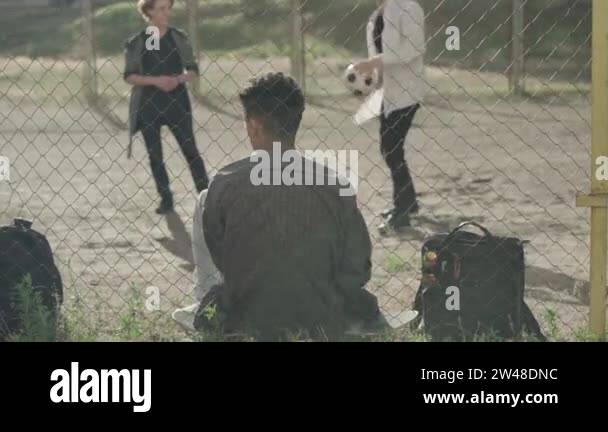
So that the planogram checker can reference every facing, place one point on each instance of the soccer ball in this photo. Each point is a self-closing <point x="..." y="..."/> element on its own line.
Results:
<point x="358" y="84"/>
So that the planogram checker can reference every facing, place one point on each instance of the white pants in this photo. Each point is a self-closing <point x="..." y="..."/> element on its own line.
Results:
<point x="207" y="273"/>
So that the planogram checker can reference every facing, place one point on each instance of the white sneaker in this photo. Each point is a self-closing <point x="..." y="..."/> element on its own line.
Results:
<point x="384" y="321"/>
<point x="401" y="319"/>
<point x="185" y="316"/>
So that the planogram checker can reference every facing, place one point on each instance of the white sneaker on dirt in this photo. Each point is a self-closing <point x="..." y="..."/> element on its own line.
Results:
<point x="185" y="316"/>
<point x="384" y="321"/>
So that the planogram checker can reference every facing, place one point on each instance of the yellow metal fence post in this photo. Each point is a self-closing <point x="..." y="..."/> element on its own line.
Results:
<point x="598" y="199"/>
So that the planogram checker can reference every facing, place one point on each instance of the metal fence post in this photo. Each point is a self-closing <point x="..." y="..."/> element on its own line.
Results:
<point x="598" y="199"/>
<point x="89" y="73"/>
<point x="298" y="54"/>
<point x="193" y="30"/>
<point x="516" y="83"/>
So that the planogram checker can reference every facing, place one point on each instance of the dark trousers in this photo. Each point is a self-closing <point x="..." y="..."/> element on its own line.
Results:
<point x="182" y="130"/>
<point x="393" y="132"/>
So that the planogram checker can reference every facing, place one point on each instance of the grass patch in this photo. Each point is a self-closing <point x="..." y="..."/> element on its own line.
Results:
<point x="37" y="321"/>
<point x="551" y="319"/>
<point x="396" y="264"/>
<point x="80" y="322"/>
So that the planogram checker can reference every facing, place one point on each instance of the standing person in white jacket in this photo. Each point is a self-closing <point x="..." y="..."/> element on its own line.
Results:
<point x="396" y="44"/>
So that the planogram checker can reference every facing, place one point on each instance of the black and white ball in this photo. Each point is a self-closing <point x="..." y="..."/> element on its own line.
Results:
<point x="358" y="84"/>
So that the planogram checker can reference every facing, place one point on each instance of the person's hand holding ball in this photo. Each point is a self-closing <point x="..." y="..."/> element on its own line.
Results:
<point x="361" y="78"/>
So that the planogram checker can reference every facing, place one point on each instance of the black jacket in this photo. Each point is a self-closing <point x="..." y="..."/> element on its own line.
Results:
<point x="134" y="49"/>
<point x="294" y="258"/>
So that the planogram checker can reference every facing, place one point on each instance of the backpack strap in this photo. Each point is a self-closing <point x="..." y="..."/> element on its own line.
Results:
<point x="466" y="224"/>
<point x="22" y="224"/>
<point x="530" y="324"/>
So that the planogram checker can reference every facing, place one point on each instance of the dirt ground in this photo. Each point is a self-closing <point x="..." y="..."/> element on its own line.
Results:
<point x="511" y="163"/>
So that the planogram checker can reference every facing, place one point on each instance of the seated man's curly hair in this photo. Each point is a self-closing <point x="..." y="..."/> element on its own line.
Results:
<point x="278" y="102"/>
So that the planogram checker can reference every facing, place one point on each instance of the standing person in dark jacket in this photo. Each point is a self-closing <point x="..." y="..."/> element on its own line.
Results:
<point x="293" y="257"/>
<point x="158" y="74"/>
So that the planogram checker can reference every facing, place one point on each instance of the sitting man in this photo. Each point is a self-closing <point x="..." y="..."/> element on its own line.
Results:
<point x="294" y="258"/>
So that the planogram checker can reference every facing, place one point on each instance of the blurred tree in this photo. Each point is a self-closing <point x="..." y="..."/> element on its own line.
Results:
<point x="254" y="9"/>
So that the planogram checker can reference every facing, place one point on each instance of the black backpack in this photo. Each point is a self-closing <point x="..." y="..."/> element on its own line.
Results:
<point x="487" y="275"/>
<point x="25" y="253"/>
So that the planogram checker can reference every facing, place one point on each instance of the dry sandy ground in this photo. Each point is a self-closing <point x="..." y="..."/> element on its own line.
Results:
<point x="513" y="164"/>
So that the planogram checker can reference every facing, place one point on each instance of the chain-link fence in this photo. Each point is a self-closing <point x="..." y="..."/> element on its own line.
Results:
<point x="503" y="138"/>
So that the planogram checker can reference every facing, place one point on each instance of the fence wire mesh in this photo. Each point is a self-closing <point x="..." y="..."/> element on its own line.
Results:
<point x="509" y="157"/>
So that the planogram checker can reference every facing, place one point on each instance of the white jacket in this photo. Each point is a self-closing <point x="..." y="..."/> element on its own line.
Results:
<point x="404" y="46"/>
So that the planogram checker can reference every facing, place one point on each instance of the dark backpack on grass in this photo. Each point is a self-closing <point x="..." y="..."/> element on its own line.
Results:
<point x="26" y="254"/>
<point x="487" y="273"/>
